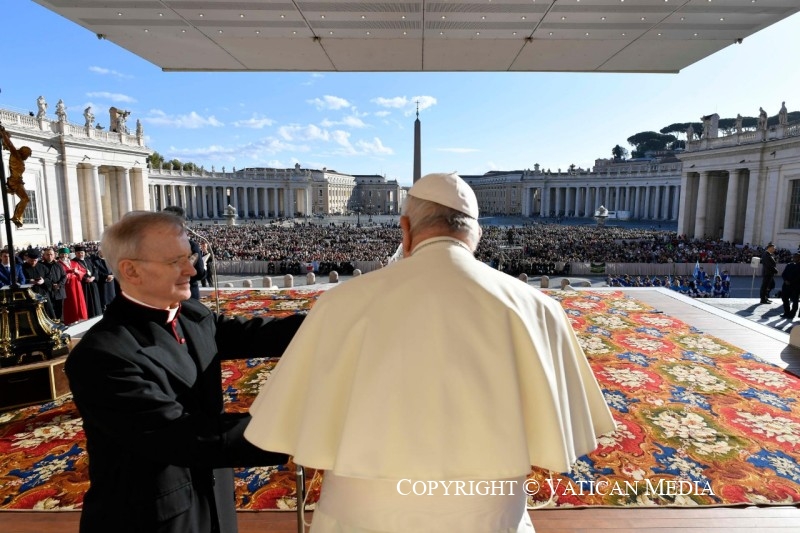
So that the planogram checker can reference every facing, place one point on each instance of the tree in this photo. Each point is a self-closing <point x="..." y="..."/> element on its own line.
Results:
<point x="155" y="160"/>
<point x="681" y="127"/>
<point x="176" y="164"/>
<point x="649" y="141"/>
<point x="619" y="153"/>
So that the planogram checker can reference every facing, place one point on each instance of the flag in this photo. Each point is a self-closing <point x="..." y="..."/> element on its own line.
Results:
<point x="696" y="269"/>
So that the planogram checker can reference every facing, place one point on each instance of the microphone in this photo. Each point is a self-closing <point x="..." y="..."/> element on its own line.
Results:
<point x="213" y="262"/>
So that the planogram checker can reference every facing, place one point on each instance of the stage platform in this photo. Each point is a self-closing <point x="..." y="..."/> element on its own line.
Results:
<point x="742" y="322"/>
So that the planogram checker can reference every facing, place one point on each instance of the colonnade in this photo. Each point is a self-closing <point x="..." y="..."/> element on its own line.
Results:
<point x="208" y="201"/>
<point x="100" y="195"/>
<point x="716" y="204"/>
<point x="644" y="202"/>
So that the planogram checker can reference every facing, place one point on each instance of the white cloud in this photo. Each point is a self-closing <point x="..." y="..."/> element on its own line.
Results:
<point x="424" y="102"/>
<point x="351" y="121"/>
<point x="114" y="97"/>
<point x="382" y="114"/>
<point x="374" y="147"/>
<point x="254" y="122"/>
<point x="342" y="138"/>
<point x="108" y="72"/>
<point x="397" y="102"/>
<point x="218" y="154"/>
<point x="303" y="133"/>
<point x="329" y="102"/>
<point x="406" y="104"/>
<point x="190" y="121"/>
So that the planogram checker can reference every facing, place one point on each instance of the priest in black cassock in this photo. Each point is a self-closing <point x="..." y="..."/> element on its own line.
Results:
<point x="106" y="284"/>
<point x="90" y="291"/>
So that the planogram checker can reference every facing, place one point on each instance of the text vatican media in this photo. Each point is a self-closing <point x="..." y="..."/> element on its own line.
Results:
<point x="662" y="487"/>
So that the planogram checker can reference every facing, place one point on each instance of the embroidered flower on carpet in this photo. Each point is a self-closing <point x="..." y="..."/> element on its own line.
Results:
<point x="696" y="377"/>
<point x="627" y="377"/>
<point x="692" y="430"/>
<point x="779" y="428"/>
<point x="703" y="344"/>
<point x="770" y="378"/>
<point x="59" y="428"/>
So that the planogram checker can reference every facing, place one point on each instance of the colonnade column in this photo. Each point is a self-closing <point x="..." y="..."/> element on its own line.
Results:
<point x="702" y="200"/>
<point x="127" y="197"/>
<point x="558" y="200"/>
<point x="731" y="207"/>
<point x="587" y="210"/>
<point x="676" y="202"/>
<point x="96" y="220"/>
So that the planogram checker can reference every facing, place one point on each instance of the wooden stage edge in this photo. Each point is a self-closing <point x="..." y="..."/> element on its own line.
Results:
<point x="587" y="520"/>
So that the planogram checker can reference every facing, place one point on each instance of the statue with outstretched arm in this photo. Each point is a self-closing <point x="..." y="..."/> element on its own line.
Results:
<point x="14" y="183"/>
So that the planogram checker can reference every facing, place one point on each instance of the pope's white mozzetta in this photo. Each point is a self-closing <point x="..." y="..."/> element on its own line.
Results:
<point x="436" y="367"/>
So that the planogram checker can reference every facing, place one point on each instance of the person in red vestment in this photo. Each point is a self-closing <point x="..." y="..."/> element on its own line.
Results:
<point x="74" y="302"/>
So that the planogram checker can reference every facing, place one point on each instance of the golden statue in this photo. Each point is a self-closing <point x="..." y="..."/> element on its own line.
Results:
<point x="14" y="183"/>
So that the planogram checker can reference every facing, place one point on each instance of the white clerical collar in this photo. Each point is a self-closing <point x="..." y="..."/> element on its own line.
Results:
<point x="173" y="311"/>
<point x="437" y="240"/>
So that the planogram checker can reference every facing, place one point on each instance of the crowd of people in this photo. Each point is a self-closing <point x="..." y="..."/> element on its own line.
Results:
<point x="699" y="285"/>
<point x="510" y="248"/>
<point x="84" y="285"/>
<point x="74" y="285"/>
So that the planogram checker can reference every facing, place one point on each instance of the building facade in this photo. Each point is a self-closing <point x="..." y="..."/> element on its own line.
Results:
<point x="79" y="177"/>
<point x="643" y="190"/>
<point x="743" y="187"/>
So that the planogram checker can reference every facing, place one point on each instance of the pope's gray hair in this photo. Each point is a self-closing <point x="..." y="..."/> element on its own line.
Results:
<point x="424" y="214"/>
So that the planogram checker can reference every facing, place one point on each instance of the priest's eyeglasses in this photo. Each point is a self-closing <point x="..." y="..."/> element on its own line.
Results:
<point x="179" y="262"/>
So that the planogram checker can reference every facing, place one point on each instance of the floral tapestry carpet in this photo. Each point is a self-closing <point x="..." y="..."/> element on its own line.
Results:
<point x="700" y="422"/>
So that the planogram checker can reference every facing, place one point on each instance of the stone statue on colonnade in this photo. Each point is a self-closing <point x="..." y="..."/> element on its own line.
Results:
<point x="41" y="103"/>
<point x="762" y="119"/>
<point x="738" y="123"/>
<point x="61" y="111"/>
<point x="783" y="115"/>
<point x="117" y="118"/>
<point x="89" y="116"/>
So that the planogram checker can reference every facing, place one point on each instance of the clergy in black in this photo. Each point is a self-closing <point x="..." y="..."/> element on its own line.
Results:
<point x="147" y="382"/>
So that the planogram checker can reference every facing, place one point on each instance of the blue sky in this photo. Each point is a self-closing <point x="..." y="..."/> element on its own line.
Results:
<point x="363" y="123"/>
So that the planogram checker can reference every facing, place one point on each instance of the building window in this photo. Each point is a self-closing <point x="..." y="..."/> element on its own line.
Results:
<point x="794" y="206"/>
<point x="31" y="215"/>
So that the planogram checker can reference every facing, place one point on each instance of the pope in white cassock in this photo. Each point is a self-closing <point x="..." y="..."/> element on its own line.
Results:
<point x="436" y="367"/>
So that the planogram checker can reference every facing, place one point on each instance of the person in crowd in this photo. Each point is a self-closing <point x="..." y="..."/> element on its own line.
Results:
<point x="54" y="281"/>
<point x="38" y="276"/>
<point x="91" y="293"/>
<point x="790" y="291"/>
<point x="208" y="262"/>
<point x="5" y="270"/>
<point x="146" y="380"/>
<point x="717" y="290"/>
<point x="769" y="269"/>
<point x="199" y="265"/>
<point x="106" y="286"/>
<point x="74" y="308"/>
<point x="413" y="364"/>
